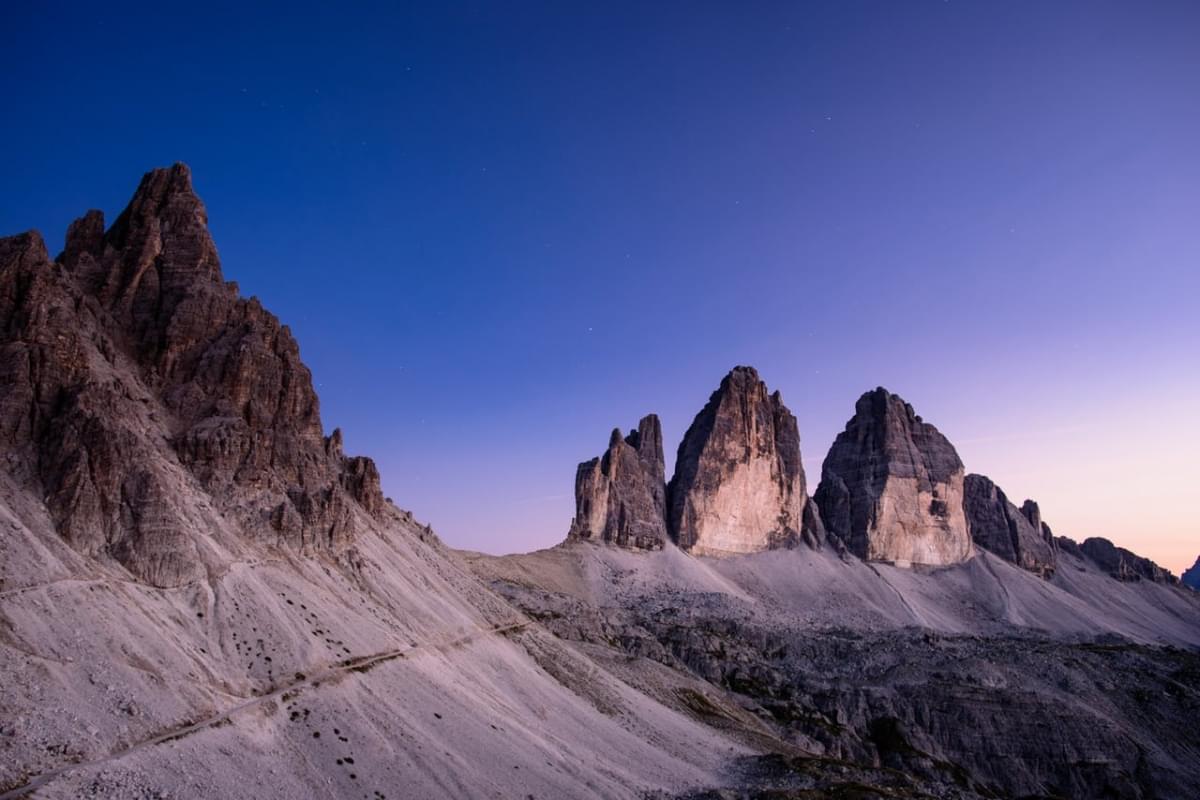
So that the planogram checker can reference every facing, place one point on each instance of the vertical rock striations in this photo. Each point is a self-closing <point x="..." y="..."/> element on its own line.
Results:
<point x="620" y="497"/>
<point x="739" y="484"/>
<point x="1017" y="535"/>
<point x="129" y="365"/>
<point x="892" y="487"/>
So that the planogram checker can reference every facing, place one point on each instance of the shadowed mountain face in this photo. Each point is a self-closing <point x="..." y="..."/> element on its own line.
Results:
<point x="130" y="368"/>
<point x="892" y="487"/>
<point x="1191" y="576"/>
<point x="1015" y="534"/>
<point x="620" y="497"/>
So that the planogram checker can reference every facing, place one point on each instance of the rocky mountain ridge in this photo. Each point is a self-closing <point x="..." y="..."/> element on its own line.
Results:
<point x="739" y="483"/>
<point x="893" y="490"/>
<point x="138" y="315"/>
<point x="1122" y="564"/>
<point x="1015" y="534"/>
<point x="621" y="496"/>
<point x="202" y="596"/>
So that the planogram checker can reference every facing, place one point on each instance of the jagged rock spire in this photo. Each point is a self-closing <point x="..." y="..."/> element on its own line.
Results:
<point x="620" y="496"/>
<point x="1017" y="535"/>
<point x="157" y="252"/>
<point x="892" y="486"/>
<point x="739" y="484"/>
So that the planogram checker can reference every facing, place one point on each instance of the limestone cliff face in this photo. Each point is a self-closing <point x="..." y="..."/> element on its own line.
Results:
<point x="739" y="484"/>
<point x="620" y="497"/>
<point x="1017" y="535"/>
<point x="129" y="365"/>
<point x="892" y="487"/>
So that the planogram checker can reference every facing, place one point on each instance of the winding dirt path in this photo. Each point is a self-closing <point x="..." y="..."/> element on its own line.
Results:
<point x="323" y="674"/>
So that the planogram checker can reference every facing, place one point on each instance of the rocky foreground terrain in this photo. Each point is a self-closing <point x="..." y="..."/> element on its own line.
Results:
<point x="201" y="595"/>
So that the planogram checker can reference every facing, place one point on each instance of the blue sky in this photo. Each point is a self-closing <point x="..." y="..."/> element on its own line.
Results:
<point x="500" y="230"/>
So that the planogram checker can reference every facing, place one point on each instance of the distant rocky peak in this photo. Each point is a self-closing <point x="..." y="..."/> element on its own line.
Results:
<point x="85" y="237"/>
<point x="1122" y="564"/>
<point x="1016" y="535"/>
<point x="892" y="486"/>
<point x="620" y="497"/>
<point x="22" y="251"/>
<point x="1033" y="514"/>
<point x="1191" y="576"/>
<point x="156" y="253"/>
<point x="647" y="439"/>
<point x="166" y="212"/>
<point x="739" y="483"/>
<point x="887" y="416"/>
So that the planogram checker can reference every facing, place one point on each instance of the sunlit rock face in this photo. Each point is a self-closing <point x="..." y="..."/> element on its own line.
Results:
<point x="892" y="487"/>
<point x="1015" y="534"/>
<point x="620" y="497"/>
<point x="739" y="484"/>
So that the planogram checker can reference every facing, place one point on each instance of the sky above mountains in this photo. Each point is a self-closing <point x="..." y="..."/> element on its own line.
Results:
<point x="500" y="230"/>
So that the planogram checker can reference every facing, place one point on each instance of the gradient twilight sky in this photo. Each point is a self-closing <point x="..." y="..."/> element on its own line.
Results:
<point x="500" y="230"/>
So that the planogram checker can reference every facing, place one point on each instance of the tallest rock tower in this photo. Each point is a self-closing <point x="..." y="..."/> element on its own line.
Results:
<point x="739" y="484"/>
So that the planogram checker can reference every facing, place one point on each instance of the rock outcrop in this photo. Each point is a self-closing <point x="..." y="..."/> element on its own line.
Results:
<point x="620" y="497"/>
<point x="1122" y="564"/>
<point x="128" y="365"/>
<point x="892" y="487"/>
<point x="1191" y="576"/>
<point x="1017" y="535"/>
<point x="739" y="484"/>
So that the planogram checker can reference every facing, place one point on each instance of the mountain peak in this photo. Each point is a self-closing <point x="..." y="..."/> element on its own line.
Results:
<point x="892" y="486"/>
<point x="163" y="367"/>
<point x="744" y="443"/>
<point x="620" y="496"/>
<point x="23" y="249"/>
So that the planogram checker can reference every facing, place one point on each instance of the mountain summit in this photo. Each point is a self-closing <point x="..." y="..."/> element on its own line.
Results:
<point x="620" y="496"/>
<point x="892" y="486"/>
<point x="133" y="372"/>
<point x="739" y="483"/>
